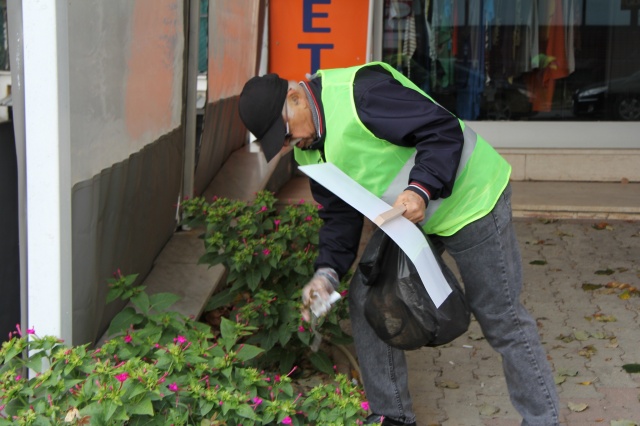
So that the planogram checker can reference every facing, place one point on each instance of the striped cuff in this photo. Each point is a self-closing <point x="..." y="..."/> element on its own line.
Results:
<point x="419" y="189"/>
<point x="331" y="275"/>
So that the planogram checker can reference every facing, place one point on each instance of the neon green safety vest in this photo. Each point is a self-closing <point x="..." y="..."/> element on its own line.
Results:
<point x="383" y="168"/>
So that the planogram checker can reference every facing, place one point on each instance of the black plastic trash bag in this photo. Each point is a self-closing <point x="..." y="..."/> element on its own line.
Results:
<point x="397" y="305"/>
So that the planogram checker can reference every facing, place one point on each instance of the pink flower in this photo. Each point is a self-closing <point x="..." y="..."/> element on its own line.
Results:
<point x="127" y="338"/>
<point x="266" y="252"/>
<point x="308" y="218"/>
<point x="301" y="329"/>
<point x="276" y="223"/>
<point x="18" y="377"/>
<point x="365" y="405"/>
<point x="180" y="339"/>
<point x="31" y="330"/>
<point x="257" y="400"/>
<point x="286" y="421"/>
<point x="301" y="201"/>
<point x="263" y="209"/>
<point x="122" y="377"/>
<point x="173" y="387"/>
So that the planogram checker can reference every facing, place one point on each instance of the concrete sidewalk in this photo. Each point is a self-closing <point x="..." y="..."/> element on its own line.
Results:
<point x="589" y="331"/>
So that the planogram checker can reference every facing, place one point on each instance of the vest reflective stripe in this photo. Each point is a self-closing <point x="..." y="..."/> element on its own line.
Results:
<point x="383" y="168"/>
<point x="470" y="139"/>
<point x="399" y="183"/>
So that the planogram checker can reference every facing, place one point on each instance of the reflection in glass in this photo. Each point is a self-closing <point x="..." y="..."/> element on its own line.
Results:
<point x="520" y="59"/>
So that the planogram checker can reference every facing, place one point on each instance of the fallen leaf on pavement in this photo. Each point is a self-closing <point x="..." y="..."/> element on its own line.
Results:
<point x="547" y="221"/>
<point x="607" y="271"/>
<point x="567" y="372"/>
<point x="591" y="287"/>
<point x="474" y="336"/>
<point x="488" y="410"/>
<point x="559" y="379"/>
<point x="563" y="234"/>
<point x="448" y="384"/>
<point x="623" y="423"/>
<point x="613" y="343"/>
<point x="602" y="225"/>
<point x="588" y="351"/>
<point x="581" y="335"/>
<point x="577" y="408"/>
<point x="617" y="284"/>
<point x="536" y="242"/>
<point x="604" y="318"/>
<point x="631" y="368"/>
<point x="538" y="262"/>
<point x="566" y="339"/>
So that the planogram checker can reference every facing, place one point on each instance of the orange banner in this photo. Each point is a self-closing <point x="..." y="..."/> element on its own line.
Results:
<point x="307" y="35"/>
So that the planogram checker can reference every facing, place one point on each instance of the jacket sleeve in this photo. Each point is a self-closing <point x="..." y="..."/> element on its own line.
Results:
<point x="405" y="117"/>
<point x="340" y="234"/>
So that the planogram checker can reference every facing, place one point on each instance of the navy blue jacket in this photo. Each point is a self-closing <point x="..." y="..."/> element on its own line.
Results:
<point x="403" y="117"/>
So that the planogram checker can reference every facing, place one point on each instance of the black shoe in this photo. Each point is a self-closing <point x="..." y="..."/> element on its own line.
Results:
<point x="377" y="418"/>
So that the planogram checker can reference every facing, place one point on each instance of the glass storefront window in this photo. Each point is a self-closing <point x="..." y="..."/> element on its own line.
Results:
<point x="562" y="60"/>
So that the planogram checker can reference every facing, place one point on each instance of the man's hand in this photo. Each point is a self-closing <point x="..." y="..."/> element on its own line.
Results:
<point x="414" y="205"/>
<point x="319" y="293"/>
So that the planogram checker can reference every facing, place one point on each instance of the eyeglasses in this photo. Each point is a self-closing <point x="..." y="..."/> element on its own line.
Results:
<point x="288" y="137"/>
<point x="286" y="122"/>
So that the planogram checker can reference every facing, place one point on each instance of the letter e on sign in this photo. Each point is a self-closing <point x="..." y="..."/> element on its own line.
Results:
<point x="307" y="35"/>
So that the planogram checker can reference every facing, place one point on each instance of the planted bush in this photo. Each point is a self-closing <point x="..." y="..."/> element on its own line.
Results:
<point x="161" y="368"/>
<point x="269" y="255"/>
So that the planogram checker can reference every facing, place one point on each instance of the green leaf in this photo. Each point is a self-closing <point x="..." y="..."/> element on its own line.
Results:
<point x="253" y="279"/>
<point x="35" y="362"/>
<point x="305" y="337"/>
<point x="124" y="320"/>
<point x="228" y="329"/>
<point x="246" y="411"/>
<point x="141" y="301"/>
<point x="161" y="301"/>
<point x="284" y="334"/>
<point x="265" y="270"/>
<point x="111" y="408"/>
<point x="287" y="359"/>
<point x="248" y="352"/>
<point x="223" y="298"/>
<point x="205" y="408"/>
<point x="143" y="407"/>
<point x="321" y="361"/>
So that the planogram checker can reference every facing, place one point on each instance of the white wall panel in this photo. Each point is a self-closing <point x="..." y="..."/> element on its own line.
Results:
<point x="126" y="73"/>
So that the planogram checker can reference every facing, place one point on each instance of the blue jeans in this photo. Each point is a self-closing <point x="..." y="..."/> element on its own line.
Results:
<point x="487" y="254"/>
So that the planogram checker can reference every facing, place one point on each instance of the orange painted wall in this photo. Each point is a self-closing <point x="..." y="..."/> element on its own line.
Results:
<point x="306" y="35"/>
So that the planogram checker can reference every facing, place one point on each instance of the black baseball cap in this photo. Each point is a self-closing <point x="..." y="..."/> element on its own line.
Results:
<point x="260" y="107"/>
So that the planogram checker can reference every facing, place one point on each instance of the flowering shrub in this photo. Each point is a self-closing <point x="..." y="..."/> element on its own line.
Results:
<point x="161" y="368"/>
<point x="269" y="256"/>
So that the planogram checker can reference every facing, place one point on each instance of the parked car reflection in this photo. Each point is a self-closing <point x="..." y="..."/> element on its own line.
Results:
<point x="617" y="100"/>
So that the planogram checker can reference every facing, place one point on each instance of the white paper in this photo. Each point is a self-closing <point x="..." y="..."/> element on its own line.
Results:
<point x="408" y="237"/>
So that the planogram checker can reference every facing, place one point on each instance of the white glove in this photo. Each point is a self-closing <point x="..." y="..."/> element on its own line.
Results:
<point x="320" y="293"/>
